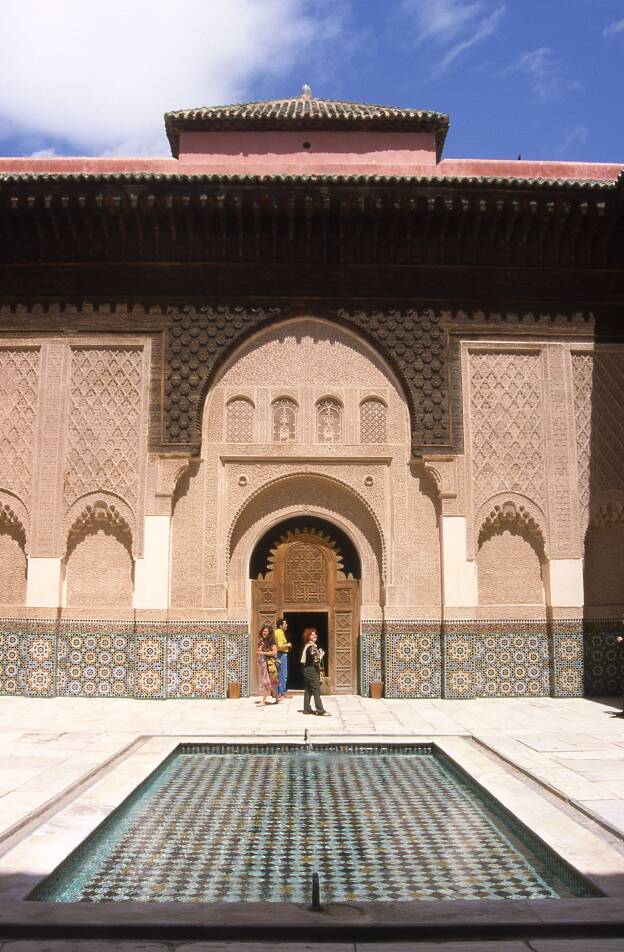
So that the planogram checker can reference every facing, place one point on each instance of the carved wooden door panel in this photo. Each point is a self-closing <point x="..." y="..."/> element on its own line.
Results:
<point x="344" y="623"/>
<point x="303" y="576"/>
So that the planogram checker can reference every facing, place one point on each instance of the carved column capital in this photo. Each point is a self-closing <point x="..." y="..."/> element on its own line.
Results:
<point x="169" y="469"/>
<point x="447" y="474"/>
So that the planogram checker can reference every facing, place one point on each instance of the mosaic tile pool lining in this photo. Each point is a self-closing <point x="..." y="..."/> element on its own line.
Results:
<point x="394" y="823"/>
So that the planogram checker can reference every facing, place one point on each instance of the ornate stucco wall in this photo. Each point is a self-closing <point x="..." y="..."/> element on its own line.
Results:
<point x="496" y="569"/>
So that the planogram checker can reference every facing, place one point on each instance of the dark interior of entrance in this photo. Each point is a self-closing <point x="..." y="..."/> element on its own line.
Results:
<point x="297" y="623"/>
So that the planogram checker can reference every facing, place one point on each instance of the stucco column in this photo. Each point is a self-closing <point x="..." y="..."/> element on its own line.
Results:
<point x="44" y="583"/>
<point x="152" y="573"/>
<point x="563" y="583"/>
<point x="459" y="575"/>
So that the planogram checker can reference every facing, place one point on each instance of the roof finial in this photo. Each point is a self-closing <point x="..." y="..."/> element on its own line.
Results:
<point x="306" y="92"/>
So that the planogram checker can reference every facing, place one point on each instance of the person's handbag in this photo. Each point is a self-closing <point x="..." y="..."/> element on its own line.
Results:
<point x="325" y="685"/>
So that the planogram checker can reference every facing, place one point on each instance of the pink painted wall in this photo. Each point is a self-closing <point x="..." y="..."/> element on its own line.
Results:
<point x="284" y="152"/>
<point x="215" y="165"/>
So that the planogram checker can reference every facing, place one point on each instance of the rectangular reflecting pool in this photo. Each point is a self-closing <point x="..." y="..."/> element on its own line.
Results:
<point x="252" y="823"/>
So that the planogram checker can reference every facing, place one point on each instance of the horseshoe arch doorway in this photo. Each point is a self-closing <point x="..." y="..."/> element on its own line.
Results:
<point x="308" y="570"/>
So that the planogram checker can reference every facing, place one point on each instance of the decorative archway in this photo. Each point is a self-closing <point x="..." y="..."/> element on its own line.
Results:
<point x="305" y="494"/>
<point x="304" y="575"/>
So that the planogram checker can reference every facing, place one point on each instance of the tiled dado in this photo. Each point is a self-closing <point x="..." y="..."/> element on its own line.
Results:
<point x="413" y="659"/>
<point x="507" y="659"/>
<point x="100" y="659"/>
<point x="483" y="659"/>
<point x="603" y="657"/>
<point x="370" y="658"/>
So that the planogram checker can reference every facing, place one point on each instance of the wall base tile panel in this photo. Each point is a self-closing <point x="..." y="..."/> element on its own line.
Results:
<point x="86" y="658"/>
<point x="414" y="659"/>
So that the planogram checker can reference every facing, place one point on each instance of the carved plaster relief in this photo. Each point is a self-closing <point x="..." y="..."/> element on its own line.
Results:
<point x="305" y="494"/>
<point x="105" y="417"/>
<point x="505" y="422"/>
<point x="598" y="379"/>
<point x="317" y="368"/>
<point x="19" y="388"/>
<point x="335" y="489"/>
<point x="107" y="425"/>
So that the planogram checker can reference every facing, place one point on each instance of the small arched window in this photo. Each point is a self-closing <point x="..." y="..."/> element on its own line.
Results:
<point x="328" y="421"/>
<point x="373" y="421"/>
<point x="284" y="420"/>
<point x="239" y="427"/>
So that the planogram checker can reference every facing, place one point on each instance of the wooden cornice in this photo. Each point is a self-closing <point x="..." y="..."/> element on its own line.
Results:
<point x="428" y="224"/>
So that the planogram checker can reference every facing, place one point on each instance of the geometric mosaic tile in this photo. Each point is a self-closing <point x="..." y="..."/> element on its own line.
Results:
<point x="236" y="651"/>
<point x="119" y="659"/>
<point x="461" y="657"/>
<point x="370" y="660"/>
<point x="77" y="658"/>
<point x="413" y="660"/>
<point x="514" y="663"/>
<point x="194" y="664"/>
<point x="92" y="662"/>
<point x="567" y="675"/>
<point x="603" y="658"/>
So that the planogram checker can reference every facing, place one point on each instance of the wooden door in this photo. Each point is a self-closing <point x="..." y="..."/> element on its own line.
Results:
<point x="304" y="574"/>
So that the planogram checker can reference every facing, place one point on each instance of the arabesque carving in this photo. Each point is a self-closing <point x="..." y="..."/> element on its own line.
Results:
<point x="104" y="421"/>
<point x="327" y="494"/>
<point x="506" y="424"/>
<point x="99" y="515"/>
<point x="19" y="387"/>
<point x="412" y="342"/>
<point x="598" y="400"/>
<point x="510" y="516"/>
<point x="11" y="524"/>
<point x="284" y="413"/>
<point x="329" y="421"/>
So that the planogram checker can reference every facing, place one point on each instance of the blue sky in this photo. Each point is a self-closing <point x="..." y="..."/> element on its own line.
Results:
<point x="540" y="78"/>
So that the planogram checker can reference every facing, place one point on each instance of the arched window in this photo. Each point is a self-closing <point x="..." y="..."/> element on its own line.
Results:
<point x="239" y="427"/>
<point x="284" y="420"/>
<point x="328" y="421"/>
<point x="373" y="421"/>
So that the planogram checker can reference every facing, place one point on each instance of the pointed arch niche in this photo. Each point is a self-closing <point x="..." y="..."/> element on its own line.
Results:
<point x="99" y="560"/>
<point x="13" y="550"/>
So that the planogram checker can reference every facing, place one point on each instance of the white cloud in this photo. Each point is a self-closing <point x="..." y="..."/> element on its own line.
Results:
<point x="616" y="27"/>
<point x="100" y="75"/>
<point x="547" y="75"/>
<point x="453" y="26"/>
<point x="573" y="136"/>
<point x="43" y="154"/>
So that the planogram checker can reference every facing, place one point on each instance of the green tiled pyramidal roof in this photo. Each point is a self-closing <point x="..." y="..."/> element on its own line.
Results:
<point x="304" y="112"/>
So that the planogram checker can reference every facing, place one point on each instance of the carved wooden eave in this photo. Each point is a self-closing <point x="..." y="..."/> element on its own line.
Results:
<point x="337" y="220"/>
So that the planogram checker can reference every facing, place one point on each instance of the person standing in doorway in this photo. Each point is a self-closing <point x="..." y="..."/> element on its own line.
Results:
<point x="311" y="658"/>
<point x="283" y="647"/>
